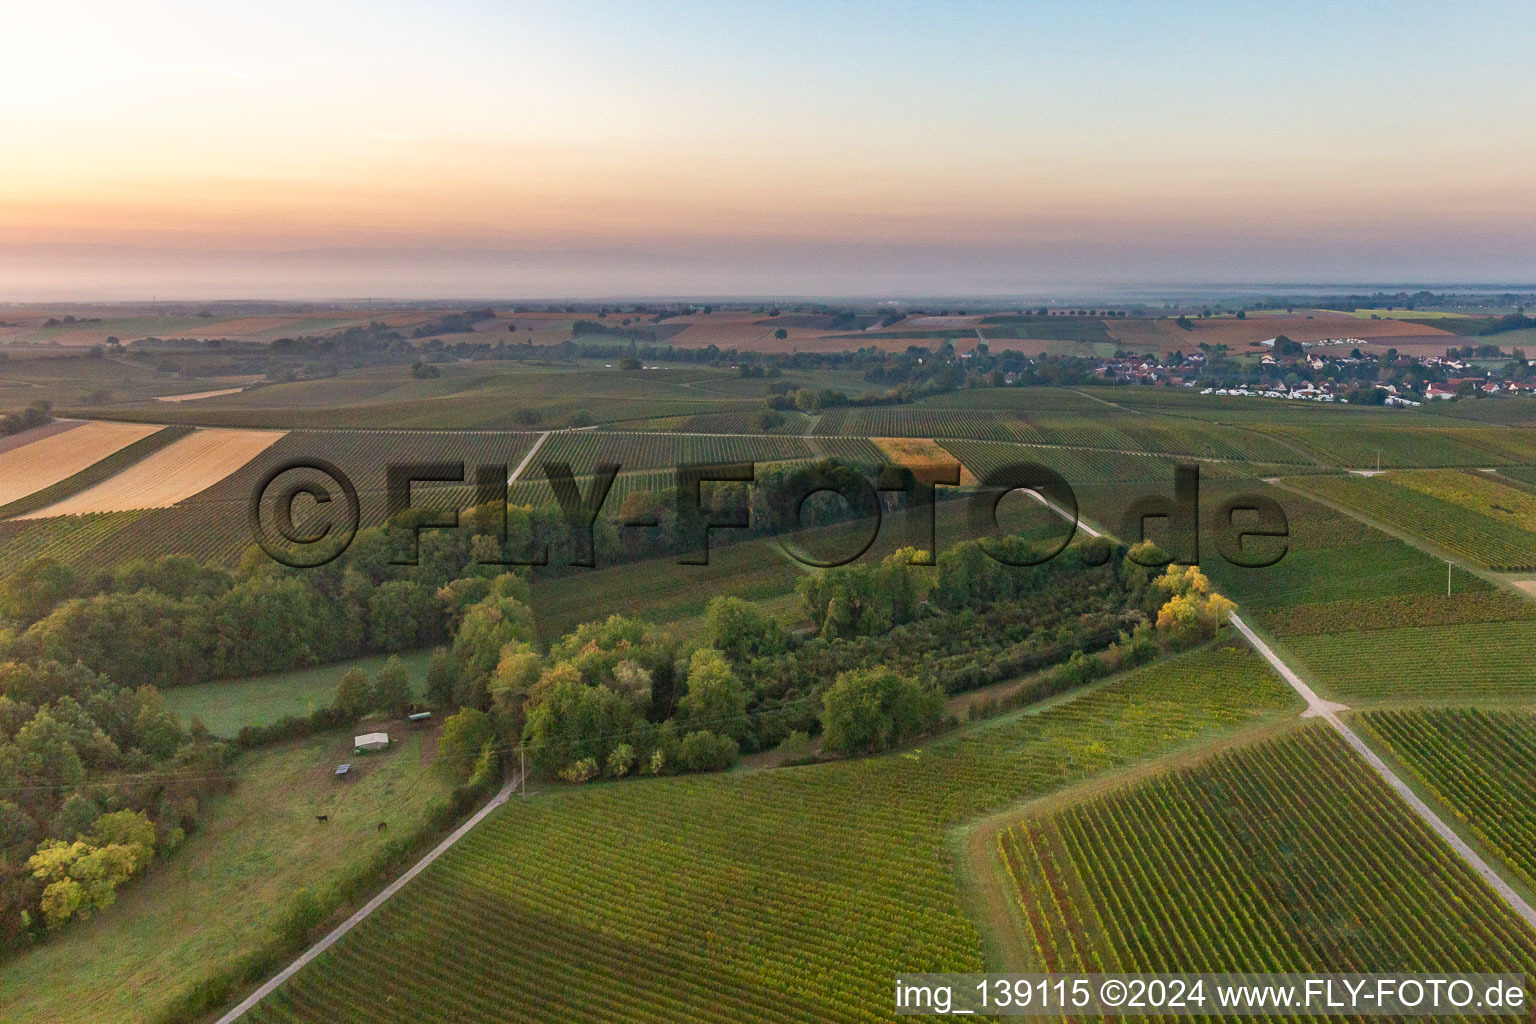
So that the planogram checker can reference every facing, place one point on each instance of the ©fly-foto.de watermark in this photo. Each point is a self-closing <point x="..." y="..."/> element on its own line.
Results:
<point x="1211" y="995"/>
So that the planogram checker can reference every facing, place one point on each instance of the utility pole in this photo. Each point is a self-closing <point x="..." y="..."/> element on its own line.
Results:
<point x="1447" y="577"/>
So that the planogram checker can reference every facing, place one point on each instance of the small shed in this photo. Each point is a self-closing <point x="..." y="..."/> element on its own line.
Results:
<point x="419" y="717"/>
<point x="371" y="741"/>
<point x="343" y="769"/>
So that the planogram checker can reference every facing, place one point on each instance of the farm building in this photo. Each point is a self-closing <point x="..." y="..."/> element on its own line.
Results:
<point x="371" y="741"/>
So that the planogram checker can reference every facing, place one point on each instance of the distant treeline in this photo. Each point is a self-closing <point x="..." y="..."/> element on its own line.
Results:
<point x="34" y="415"/>
<point x="1512" y="322"/>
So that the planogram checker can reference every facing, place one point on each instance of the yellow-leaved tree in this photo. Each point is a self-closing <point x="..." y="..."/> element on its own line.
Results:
<point x="83" y="876"/>
<point x="1192" y="611"/>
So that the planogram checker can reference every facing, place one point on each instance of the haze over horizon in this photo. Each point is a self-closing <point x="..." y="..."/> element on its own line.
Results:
<point x="594" y="150"/>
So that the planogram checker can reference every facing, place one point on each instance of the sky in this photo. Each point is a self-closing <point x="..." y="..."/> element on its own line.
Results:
<point x="506" y="149"/>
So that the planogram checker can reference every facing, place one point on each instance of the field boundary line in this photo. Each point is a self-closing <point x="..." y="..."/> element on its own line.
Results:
<point x="271" y="985"/>
<point x="1329" y="712"/>
<point x="529" y="457"/>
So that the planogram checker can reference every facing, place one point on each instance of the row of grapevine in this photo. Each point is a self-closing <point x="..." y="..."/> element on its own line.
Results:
<point x="1481" y="492"/>
<point x="1237" y="865"/>
<point x="1359" y="446"/>
<point x="1478" y="603"/>
<point x="1078" y="467"/>
<point x="584" y="449"/>
<point x="744" y="423"/>
<point x="1478" y="762"/>
<point x="1496" y="543"/>
<point x="365" y="456"/>
<point x="787" y="896"/>
<point x="1470" y="662"/>
<point x="73" y="540"/>
<point x="534" y="489"/>
<point x="918" y="421"/>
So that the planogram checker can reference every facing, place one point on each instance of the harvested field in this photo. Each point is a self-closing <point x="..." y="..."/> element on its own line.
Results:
<point x="921" y="453"/>
<point x="1167" y="335"/>
<point x="59" y="455"/>
<point x="745" y="334"/>
<point x="26" y="437"/>
<point x="914" y="323"/>
<point x="195" y="395"/>
<point x="195" y="463"/>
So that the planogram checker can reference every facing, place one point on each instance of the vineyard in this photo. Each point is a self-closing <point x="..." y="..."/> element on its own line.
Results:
<point x="910" y="421"/>
<point x="1480" y="492"/>
<point x="1478" y="762"/>
<point x="637" y="901"/>
<point x="73" y="540"/>
<point x="1358" y="572"/>
<point x="1339" y="574"/>
<point x="1462" y="529"/>
<point x="1077" y="467"/>
<point x="585" y="449"/>
<point x="1352" y="446"/>
<point x="1102" y="430"/>
<point x="1236" y="865"/>
<point x="1479" y="603"/>
<point x="534" y="489"/>
<point x="1475" y="661"/>
<point x="741" y="423"/>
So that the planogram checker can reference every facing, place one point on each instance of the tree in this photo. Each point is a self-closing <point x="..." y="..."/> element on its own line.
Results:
<point x="869" y="710"/>
<point x="17" y="831"/>
<point x="1192" y="611"/>
<point x="78" y="813"/>
<point x="31" y="592"/>
<point x="632" y="681"/>
<point x="515" y="675"/>
<point x="860" y="600"/>
<point x="765" y="420"/>
<point x="403" y="615"/>
<point x="705" y="751"/>
<point x="715" y="699"/>
<point x="129" y="829"/>
<point x="81" y="878"/>
<point x="488" y="627"/>
<point x="781" y="334"/>
<point x="741" y="630"/>
<point x="392" y="689"/>
<point x="442" y="676"/>
<point x="465" y="736"/>
<point x="621" y="760"/>
<point x="575" y="721"/>
<point x="354" y="694"/>
<point x="596" y="649"/>
<point x="47" y="757"/>
<point x="156" y="729"/>
<point x="83" y="875"/>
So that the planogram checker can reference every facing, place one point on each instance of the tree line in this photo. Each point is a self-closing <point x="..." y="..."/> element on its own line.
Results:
<point x="97" y="776"/>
